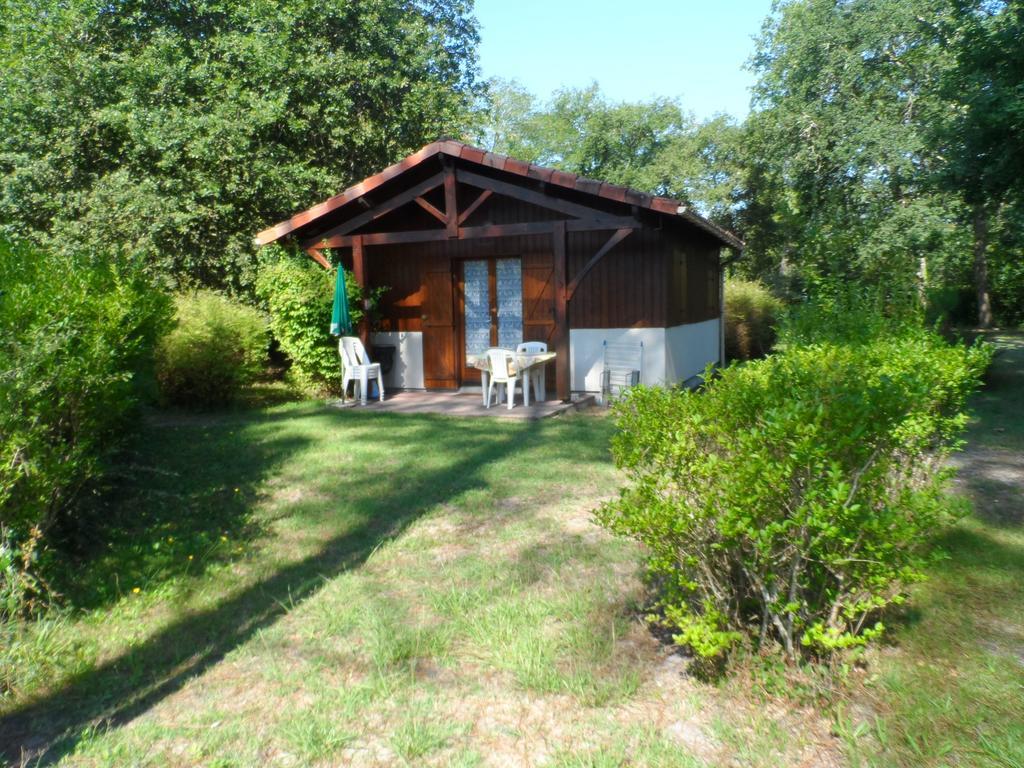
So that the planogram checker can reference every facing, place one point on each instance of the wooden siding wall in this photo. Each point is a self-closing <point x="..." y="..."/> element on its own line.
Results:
<point x="626" y="289"/>
<point x="693" y="275"/>
<point x="653" y="278"/>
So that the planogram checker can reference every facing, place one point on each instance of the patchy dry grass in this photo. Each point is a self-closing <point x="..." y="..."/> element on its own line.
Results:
<point x="324" y="587"/>
<point x="347" y="588"/>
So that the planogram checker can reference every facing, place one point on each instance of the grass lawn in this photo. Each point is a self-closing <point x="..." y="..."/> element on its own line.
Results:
<point x="949" y="688"/>
<point x="301" y="585"/>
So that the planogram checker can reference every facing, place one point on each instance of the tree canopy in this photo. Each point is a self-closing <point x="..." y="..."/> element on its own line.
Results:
<point x="176" y="129"/>
<point x="655" y="145"/>
<point x="885" y="145"/>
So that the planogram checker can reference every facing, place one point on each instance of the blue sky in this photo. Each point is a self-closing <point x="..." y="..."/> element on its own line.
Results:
<point x="677" y="48"/>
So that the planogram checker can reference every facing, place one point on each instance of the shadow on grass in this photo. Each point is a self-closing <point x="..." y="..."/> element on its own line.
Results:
<point x="178" y="502"/>
<point x="201" y="463"/>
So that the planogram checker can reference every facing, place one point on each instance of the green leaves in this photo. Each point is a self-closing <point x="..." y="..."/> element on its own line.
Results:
<point x="76" y="342"/>
<point x="178" y="133"/>
<point x="792" y="497"/>
<point x="217" y="347"/>
<point x="299" y="296"/>
<point x="655" y="145"/>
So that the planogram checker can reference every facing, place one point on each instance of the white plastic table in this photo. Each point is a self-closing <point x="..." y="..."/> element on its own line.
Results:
<point x="525" y="367"/>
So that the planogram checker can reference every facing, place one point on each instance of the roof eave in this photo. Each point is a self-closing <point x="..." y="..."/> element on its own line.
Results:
<point x="455" y="149"/>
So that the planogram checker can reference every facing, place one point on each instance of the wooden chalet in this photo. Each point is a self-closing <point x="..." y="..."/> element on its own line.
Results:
<point x="478" y="249"/>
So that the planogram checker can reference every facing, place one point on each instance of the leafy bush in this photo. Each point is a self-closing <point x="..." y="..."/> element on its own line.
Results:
<point x="299" y="295"/>
<point x="751" y="312"/>
<point x="76" y="347"/>
<point x="849" y="313"/>
<point x="217" y="347"/>
<point x="791" y="498"/>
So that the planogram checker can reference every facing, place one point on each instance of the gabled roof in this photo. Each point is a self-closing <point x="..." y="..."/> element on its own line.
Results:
<point x="467" y="154"/>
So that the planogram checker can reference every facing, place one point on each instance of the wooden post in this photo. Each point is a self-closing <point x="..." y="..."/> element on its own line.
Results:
<point x="721" y="312"/>
<point x="558" y="251"/>
<point x="451" y="206"/>
<point x="359" y="272"/>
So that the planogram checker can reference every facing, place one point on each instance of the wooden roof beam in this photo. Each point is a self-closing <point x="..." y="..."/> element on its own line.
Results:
<point x="426" y="206"/>
<point x="481" y="199"/>
<point x="472" y="233"/>
<point x="530" y="196"/>
<point x="451" y="202"/>
<point x="380" y="210"/>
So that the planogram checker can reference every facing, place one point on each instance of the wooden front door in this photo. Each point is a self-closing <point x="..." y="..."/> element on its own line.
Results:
<point x="439" y="359"/>
<point x="490" y="308"/>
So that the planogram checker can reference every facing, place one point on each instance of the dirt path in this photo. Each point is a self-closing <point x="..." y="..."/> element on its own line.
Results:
<point x="991" y="468"/>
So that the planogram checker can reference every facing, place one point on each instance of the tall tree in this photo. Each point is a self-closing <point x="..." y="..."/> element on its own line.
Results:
<point x="503" y="117"/>
<point x="983" y="135"/>
<point x="178" y="128"/>
<point x="844" y="92"/>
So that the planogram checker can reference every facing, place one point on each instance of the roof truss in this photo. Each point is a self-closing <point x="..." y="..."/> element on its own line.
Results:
<point x="584" y="218"/>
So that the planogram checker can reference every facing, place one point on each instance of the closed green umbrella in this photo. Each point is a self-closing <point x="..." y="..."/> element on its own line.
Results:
<point x="341" y="321"/>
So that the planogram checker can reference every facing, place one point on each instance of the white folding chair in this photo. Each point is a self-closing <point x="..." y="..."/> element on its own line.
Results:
<point x="356" y="366"/>
<point x="536" y="373"/>
<point x="498" y="362"/>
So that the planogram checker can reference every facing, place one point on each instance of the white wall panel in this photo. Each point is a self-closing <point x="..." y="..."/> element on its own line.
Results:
<point x="671" y="355"/>
<point x="586" y="349"/>
<point x="689" y="348"/>
<point x="407" y="372"/>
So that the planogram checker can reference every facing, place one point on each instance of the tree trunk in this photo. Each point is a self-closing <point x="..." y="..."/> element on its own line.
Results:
<point x="981" y="266"/>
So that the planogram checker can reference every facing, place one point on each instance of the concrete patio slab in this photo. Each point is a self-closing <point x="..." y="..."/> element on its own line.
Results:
<point x="464" y="404"/>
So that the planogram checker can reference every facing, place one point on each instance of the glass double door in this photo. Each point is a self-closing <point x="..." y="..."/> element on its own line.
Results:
<point x="491" y="308"/>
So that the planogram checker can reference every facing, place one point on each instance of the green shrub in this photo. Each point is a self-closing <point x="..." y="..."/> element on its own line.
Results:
<point x="751" y="312"/>
<point x="217" y="347"/>
<point x="791" y="499"/>
<point x="76" y="348"/>
<point x="849" y="313"/>
<point x="299" y="295"/>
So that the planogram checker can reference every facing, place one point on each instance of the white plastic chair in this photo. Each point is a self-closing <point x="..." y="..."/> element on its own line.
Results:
<point x="498" y="362"/>
<point x="536" y="372"/>
<point x="356" y="366"/>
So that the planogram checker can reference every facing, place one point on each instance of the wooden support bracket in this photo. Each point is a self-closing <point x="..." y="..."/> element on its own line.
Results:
<point x="615" y="239"/>
<point x="474" y="205"/>
<point x="319" y="257"/>
<point x="426" y="206"/>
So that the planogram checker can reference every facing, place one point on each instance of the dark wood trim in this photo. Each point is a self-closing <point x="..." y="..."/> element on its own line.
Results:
<point x="449" y="152"/>
<point x="459" y="323"/>
<point x="615" y="239"/>
<point x="492" y="297"/>
<point x="380" y="210"/>
<point x="451" y="203"/>
<point x="426" y="206"/>
<point x="471" y="233"/>
<point x="558" y="250"/>
<point x="474" y="205"/>
<point x="318" y="257"/>
<point x="359" y="272"/>
<point x="529" y="196"/>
